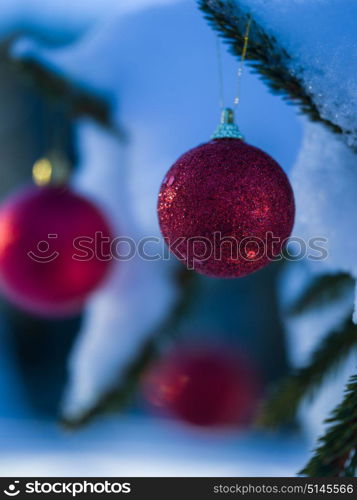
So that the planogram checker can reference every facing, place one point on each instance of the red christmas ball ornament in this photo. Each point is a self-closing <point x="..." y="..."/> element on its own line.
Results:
<point x="53" y="250"/>
<point x="226" y="208"/>
<point x="204" y="387"/>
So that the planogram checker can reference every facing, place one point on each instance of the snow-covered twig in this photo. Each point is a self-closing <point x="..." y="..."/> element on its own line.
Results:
<point x="282" y="68"/>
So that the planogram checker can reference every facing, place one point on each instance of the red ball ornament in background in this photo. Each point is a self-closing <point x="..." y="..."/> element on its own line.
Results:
<point x="41" y="270"/>
<point x="204" y="386"/>
<point x="226" y="208"/>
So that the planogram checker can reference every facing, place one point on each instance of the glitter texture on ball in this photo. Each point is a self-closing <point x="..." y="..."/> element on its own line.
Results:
<point x="226" y="208"/>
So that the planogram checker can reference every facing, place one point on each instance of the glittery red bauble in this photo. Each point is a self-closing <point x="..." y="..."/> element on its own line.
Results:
<point x="44" y="268"/>
<point x="226" y="208"/>
<point x="204" y="386"/>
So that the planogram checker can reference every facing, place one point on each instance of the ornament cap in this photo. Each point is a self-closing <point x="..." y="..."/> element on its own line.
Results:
<point x="227" y="129"/>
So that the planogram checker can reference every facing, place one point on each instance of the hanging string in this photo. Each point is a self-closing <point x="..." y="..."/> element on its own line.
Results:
<point x="240" y="68"/>
<point x="242" y="60"/>
<point x="220" y="73"/>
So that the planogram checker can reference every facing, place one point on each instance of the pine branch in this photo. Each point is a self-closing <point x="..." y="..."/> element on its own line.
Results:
<point x="76" y="100"/>
<point x="337" y="452"/>
<point x="323" y="290"/>
<point x="264" y="55"/>
<point x="284" y="403"/>
<point x="117" y="398"/>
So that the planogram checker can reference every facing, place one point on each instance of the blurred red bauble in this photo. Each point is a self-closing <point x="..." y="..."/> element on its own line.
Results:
<point x="225" y="208"/>
<point x="44" y="268"/>
<point x="203" y="387"/>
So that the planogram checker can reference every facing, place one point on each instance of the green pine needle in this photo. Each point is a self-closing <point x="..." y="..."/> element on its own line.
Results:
<point x="337" y="453"/>
<point x="285" y="401"/>
<point x="323" y="290"/>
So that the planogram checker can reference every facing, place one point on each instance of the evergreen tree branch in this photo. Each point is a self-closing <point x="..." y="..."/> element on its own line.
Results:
<point x="118" y="397"/>
<point x="323" y="290"/>
<point x="265" y="56"/>
<point x="75" y="100"/>
<point x="337" y="451"/>
<point x="284" y="402"/>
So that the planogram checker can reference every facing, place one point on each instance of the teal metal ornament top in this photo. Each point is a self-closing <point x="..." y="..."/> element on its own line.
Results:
<point x="227" y="129"/>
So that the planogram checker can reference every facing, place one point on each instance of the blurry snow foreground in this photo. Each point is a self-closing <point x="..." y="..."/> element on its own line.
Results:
<point x="319" y="36"/>
<point x="138" y="294"/>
